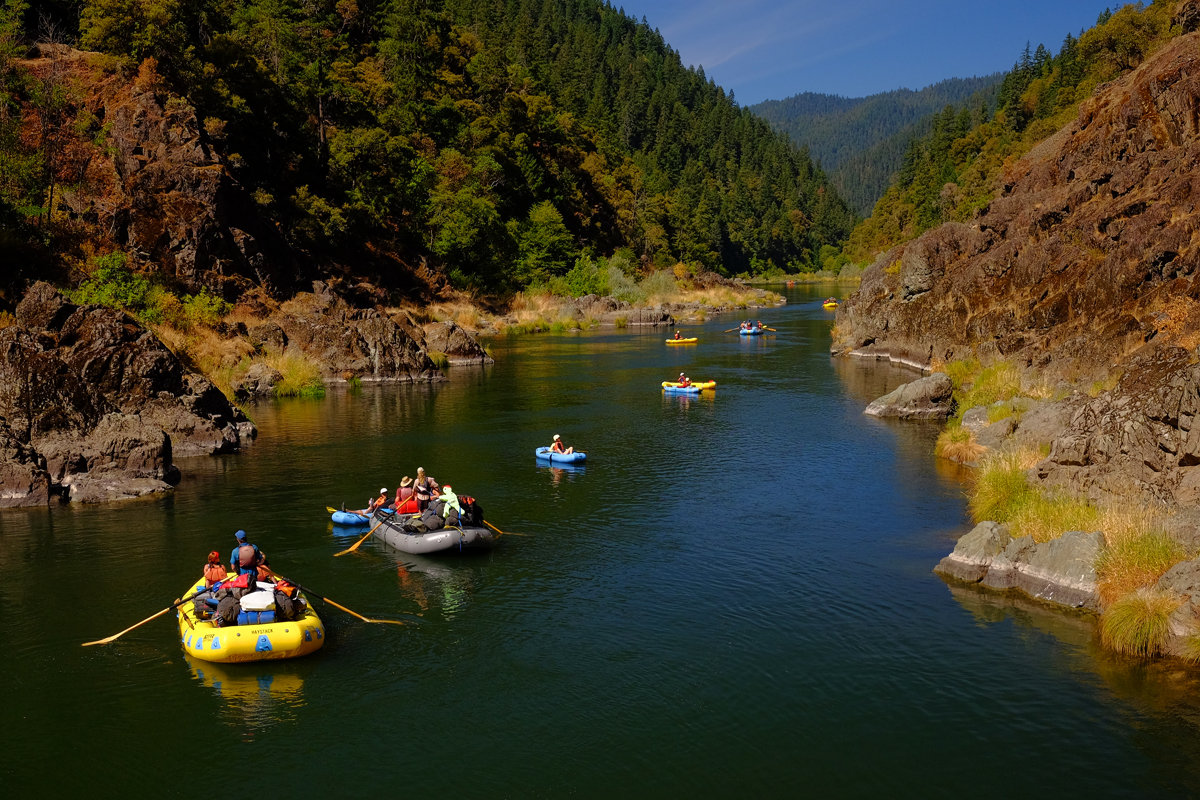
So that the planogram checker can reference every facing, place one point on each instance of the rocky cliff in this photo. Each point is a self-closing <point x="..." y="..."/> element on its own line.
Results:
<point x="1087" y="255"/>
<point x="94" y="407"/>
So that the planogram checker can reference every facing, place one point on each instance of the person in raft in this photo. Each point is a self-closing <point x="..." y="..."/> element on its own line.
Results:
<point x="425" y="488"/>
<point x="559" y="447"/>
<point x="684" y="381"/>
<point x="214" y="572"/>
<point x="678" y="335"/>
<point x="405" y="504"/>
<point x="246" y="557"/>
<point x="760" y="325"/>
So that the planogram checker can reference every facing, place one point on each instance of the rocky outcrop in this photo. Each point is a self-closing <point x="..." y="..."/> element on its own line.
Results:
<point x="1060" y="571"/>
<point x="259" y="381"/>
<point x="347" y="342"/>
<point x="95" y="407"/>
<point x="927" y="398"/>
<point x="459" y="347"/>
<point x="1087" y="253"/>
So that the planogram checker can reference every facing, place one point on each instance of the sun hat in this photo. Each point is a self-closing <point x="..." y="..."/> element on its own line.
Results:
<point x="406" y="482"/>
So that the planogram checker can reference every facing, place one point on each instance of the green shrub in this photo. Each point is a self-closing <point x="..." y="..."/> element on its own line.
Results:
<point x="585" y="277"/>
<point x="1000" y="381"/>
<point x="112" y="284"/>
<point x="622" y="287"/>
<point x="621" y="322"/>
<point x="963" y="371"/>
<point x="1138" y="624"/>
<point x="439" y="359"/>
<point x="1000" y="487"/>
<point x="301" y="376"/>
<point x="205" y="309"/>
<point x="659" y="284"/>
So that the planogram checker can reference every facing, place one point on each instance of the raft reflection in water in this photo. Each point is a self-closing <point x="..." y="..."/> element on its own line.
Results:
<point x="255" y="697"/>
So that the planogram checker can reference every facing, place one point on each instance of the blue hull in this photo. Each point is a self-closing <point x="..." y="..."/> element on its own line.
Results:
<point x="570" y="458"/>
<point x="752" y="332"/>
<point x="681" y="390"/>
<point x="346" y="518"/>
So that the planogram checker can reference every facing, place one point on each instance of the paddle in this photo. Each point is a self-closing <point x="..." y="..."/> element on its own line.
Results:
<point x="116" y="636"/>
<point x="354" y="546"/>
<point x="765" y="328"/>
<point x="502" y="533"/>
<point x="310" y="592"/>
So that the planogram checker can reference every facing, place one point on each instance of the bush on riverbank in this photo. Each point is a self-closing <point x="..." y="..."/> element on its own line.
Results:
<point x="301" y="375"/>
<point x="1139" y="623"/>
<point x="958" y="444"/>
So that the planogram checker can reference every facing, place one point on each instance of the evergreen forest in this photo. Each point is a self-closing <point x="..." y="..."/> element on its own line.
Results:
<point x="497" y="141"/>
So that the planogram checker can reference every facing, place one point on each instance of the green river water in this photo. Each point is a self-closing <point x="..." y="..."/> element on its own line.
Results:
<point x="734" y="598"/>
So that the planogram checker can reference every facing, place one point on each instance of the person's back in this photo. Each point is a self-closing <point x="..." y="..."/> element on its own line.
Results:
<point x="214" y="572"/>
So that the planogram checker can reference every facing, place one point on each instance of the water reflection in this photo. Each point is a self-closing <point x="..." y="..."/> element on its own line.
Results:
<point x="560" y="472"/>
<point x="254" y="696"/>
<point x="435" y="584"/>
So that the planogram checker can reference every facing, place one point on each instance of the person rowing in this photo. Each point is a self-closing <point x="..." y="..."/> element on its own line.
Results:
<point x="678" y="336"/>
<point x="559" y="447"/>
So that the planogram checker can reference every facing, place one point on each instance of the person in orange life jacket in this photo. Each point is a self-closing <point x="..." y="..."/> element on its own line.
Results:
<point x="678" y="335"/>
<point x="405" y="504"/>
<point x="558" y="446"/>
<point x="424" y="488"/>
<point x="378" y="502"/>
<point x="683" y="380"/>
<point x="214" y="572"/>
<point x="759" y="326"/>
<point x="246" y="557"/>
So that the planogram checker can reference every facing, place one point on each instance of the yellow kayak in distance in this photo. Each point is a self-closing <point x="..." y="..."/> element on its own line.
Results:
<point x="690" y="386"/>
<point x="693" y="340"/>
<point x="828" y="304"/>
<point x="254" y="642"/>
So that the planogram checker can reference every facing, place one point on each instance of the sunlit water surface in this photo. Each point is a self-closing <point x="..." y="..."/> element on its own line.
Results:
<point x="734" y="598"/>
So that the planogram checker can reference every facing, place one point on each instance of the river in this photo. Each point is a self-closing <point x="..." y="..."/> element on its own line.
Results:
<point x="735" y="597"/>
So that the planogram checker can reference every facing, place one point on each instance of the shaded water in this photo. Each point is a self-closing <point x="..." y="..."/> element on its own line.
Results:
<point x="733" y="597"/>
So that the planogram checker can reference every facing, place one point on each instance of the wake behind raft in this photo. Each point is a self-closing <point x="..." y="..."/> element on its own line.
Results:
<point x="440" y="528"/>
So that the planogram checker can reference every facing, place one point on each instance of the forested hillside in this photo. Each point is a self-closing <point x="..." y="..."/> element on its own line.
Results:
<point x="861" y="141"/>
<point x="491" y="140"/>
<point x="956" y="168"/>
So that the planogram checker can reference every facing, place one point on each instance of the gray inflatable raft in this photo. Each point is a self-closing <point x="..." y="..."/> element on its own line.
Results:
<point x="465" y="538"/>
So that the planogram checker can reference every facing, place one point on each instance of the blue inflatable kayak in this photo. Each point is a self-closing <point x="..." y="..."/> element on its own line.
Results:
<point x="349" y="518"/>
<point x="751" y="331"/>
<point x="567" y="458"/>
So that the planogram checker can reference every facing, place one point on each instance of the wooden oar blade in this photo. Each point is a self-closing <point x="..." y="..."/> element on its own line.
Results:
<point x="116" y="636"/>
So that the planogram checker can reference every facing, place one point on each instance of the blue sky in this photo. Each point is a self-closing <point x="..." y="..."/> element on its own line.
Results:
<point x="770" y="49"/>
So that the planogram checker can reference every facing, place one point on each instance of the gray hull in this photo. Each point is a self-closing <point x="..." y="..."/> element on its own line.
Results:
<point x="434" y="541"/>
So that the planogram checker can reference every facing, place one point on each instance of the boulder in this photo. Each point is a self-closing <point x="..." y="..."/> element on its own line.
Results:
<point x="23" y="478"/>
<point x="974" y="552"/>
<point x="267" y="336"/>
<point x="993" y="435"/>
<point x="975" y="419"/>
<point x="459" y="347"/>
<point x="927" y="398"/>
<point x="653" y="316"/>
<point x="259" y="381"/>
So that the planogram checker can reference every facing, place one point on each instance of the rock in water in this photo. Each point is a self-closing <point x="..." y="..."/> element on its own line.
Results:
<point x="927" y="398"/>
<point x="459" y="346"/>
<point x="974" y="553"/>
<point x="95" y="406"/>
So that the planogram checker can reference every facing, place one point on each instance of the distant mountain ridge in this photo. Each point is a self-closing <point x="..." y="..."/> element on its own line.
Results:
<point x="860" y="141"/>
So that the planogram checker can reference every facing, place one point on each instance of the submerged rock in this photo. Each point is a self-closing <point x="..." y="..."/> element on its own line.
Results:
<point x="927" y="398"/>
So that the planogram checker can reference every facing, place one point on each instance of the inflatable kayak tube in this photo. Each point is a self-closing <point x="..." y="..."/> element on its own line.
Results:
<point x="561" y="458"/>
<point x="468" y="538"/>
<point x="830" y="305"/>
<point x="256" y="642"/>
<point x="693" y="340"/>
<point x="349" y="518"/>
<point x="751" y="332"/>
<point x="674" y="387"/>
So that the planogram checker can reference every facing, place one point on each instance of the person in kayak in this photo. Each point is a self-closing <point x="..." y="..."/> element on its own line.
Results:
<point x="759" y="326"/>
<point x="559" y="447"/>
<point x="424" y="488"/>
<point x="684" y="381"/>
<point x="678" y="335"/>
<point x="404" y="503"/>
<point x="378" y="502"/>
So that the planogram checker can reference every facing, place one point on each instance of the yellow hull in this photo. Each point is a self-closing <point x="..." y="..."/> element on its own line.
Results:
<point x="683" y="341"/>
<point x="694" y="385"/>
<point x="272" y="640"/>
<point x="830" y="305"/>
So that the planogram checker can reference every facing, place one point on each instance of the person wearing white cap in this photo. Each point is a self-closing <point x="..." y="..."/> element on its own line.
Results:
<point x="559" y="447"/>
<point x="683" y="380"/>
<point x="378" y="502"/>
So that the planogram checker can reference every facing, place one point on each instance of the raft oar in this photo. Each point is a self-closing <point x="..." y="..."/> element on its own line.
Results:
<point x="308" y="591"/>
<point x="502" y="533"/>
<point x="171" y="607"/>
<point x="354" y="546"/>
<point x="331" y="509"/>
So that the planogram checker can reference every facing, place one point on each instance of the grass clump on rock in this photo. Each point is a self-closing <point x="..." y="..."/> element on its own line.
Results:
<point x="1001" y="488"/>
<point x="1139" y="623"/>
<point x="1139" y="552"/>
<point x="301" y="375"/>
<point x="958" y="444"/>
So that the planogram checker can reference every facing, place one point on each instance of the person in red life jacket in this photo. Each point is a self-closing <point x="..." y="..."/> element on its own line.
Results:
<point x="214" y="571"/>
<point x="405" y="503"/>
<point x="683" y="380"/>
<point x="559" y="447"/>
<point x="424" y="489"/>
<point x="678" y="335"/>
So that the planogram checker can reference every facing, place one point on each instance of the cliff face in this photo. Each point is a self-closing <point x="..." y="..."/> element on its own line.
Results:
<point x="1088" y="255"/>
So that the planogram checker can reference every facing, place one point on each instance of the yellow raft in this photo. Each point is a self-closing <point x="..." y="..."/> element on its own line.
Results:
<point x="693" y="340"/>
<point x="829" y="304"/>
<point x="270" y="640"/>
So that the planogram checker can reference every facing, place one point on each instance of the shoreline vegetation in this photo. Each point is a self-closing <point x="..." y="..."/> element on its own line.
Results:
<point x="1140" y="544"/>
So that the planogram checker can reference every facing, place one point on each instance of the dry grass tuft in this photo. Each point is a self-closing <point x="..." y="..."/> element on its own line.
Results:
<point x="1138" y="551"/>
<point x="1001" y="486"/>
<point x="301" y="375"/>
<point x="1138" y="624"/>
<point x="958" y="444"/>
<point x="1046" y="516"/>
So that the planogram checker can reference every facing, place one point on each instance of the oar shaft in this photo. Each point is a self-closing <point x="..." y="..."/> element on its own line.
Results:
<point x="354" y="546"/>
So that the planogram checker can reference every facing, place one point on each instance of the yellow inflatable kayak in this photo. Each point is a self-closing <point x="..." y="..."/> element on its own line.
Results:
<point x="693" y="340"/>
<point x="828" y="304"/>
<point x="692" y="387"/>
<point x="255" y="642"/>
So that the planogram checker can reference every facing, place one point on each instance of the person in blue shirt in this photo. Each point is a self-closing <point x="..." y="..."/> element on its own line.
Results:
<point x="235" y="559"/>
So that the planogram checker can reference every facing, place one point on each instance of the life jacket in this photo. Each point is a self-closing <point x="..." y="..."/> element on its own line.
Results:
<point x="213" y="573"/>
